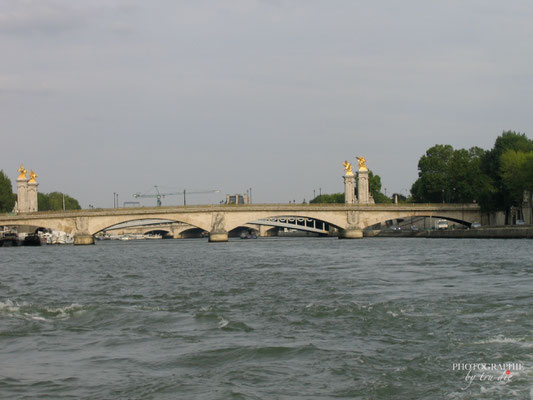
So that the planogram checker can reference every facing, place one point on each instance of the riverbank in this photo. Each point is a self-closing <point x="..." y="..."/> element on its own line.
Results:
<point x="493" y="232"/>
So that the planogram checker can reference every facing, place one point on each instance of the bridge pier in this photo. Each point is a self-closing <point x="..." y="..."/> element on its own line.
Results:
<point x="218" y="236"/>
<point x="351" y="234"/>
<point x="83" y="239"/>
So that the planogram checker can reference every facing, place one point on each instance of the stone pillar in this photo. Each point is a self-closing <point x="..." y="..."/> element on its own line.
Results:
<point x="83" y="239"/>
<point x="363" y="193"/>
<point x="218" y="231"/>
<point x="349" y="189"/>
<point x="218" y="236"/>
<point x="22" y="195"/>
<point x="81" y="232"/>
<point x="32" y="196"/>
<point x="526" y="207"/>
<point x="353" y="229"/>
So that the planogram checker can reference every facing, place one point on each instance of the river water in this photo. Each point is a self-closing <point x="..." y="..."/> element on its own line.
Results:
<point x="272" y="318"/>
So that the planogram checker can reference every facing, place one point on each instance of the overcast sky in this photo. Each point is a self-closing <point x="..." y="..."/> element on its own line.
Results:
<point x="121" y="95"/>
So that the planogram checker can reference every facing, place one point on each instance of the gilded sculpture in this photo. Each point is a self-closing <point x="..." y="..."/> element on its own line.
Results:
<point x="362" y="163"/>
<point x="347" y="168"/>
<point x="22" y="171"/>
<point x="33" y="175"/>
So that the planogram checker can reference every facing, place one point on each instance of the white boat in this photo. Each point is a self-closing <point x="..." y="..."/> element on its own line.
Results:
<point x="153" y="236"/>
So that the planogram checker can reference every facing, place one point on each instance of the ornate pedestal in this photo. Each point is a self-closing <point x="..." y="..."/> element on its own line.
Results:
<point x="349" y="189"/>
<point x="363" y="193"/>
<point x="22" y="195"/>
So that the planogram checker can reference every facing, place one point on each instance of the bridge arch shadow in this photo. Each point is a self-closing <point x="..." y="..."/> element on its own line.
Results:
<point x="193" y="232"/>
<point x="416" y="218"/>
<point x="151" y="225"/>
<point x="164" y="233"/>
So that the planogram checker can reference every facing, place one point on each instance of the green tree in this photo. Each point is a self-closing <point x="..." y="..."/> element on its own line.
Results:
<point x="54" y="202"/>
<point x="328" y="198"/>
<point x="516" y="172"/>
<point x="452" y="176"/>
<point x="374" y="187"/>
<point x="433" y="174"/>
<point x="43" y="202"/>
<point x="401" y="198"/>
<point x="7" y="198"/>
<point x="499" y="197"/>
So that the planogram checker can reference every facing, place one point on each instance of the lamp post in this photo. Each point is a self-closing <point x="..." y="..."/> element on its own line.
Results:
<point x="114" y="200"/>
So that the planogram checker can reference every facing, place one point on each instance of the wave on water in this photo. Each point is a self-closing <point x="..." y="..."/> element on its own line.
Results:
<point x="35" y="312"/>
<point x="505" y="340"/>
<point x="223" y="322"/>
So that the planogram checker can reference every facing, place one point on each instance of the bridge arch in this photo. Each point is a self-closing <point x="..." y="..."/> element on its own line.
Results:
<point x="49" y="224"/>
<point x="108" y="223"/>
<point x="165" y="233"/>
<point x="381" y="219"/>
<point x="192" y="232"/>
<point x="234" y="221"/>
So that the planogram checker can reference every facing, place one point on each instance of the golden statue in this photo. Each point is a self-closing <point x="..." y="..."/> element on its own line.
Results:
<point x="362" y="163"/>
<point x="33" y="175"/>
<point x="347" y="168"/>
<point x="22" y="171"/>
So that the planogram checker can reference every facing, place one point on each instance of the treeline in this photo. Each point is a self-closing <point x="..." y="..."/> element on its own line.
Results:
<point x="374" y="187"/>
<point x="7" y="198"/>
<point x="54" y="202"/>
<point x="495" y="178"/>
<point x="46" y="202"/>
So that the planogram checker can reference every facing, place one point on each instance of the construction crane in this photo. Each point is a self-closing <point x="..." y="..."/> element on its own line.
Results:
<point x="160" y="195"/>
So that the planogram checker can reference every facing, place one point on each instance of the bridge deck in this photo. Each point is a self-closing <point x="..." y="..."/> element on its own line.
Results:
<point x="400" y="207"/>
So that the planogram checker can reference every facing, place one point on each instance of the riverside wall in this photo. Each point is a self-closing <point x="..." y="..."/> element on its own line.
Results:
<point x="493" y="232"/>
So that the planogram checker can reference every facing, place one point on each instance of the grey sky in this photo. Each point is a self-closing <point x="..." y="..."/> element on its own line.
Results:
<point x="117" y="96"/>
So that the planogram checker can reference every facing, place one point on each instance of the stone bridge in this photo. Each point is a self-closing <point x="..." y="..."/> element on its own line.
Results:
<point x="218" y="220"/>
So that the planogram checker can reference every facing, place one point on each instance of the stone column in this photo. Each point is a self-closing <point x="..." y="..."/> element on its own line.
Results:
<point x="526" y="207"/>
<point x="363" y="194"/>
<point x="218" y="231"/>
<point x="32" y="196"/>
<point x="22" y="195"/>
<point x="353" y="229"/>
<point x="349" y="189"/>
<point x="81" y="232"/>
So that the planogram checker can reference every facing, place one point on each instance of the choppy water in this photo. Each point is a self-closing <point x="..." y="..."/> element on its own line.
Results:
<point x="266" y="319"/>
